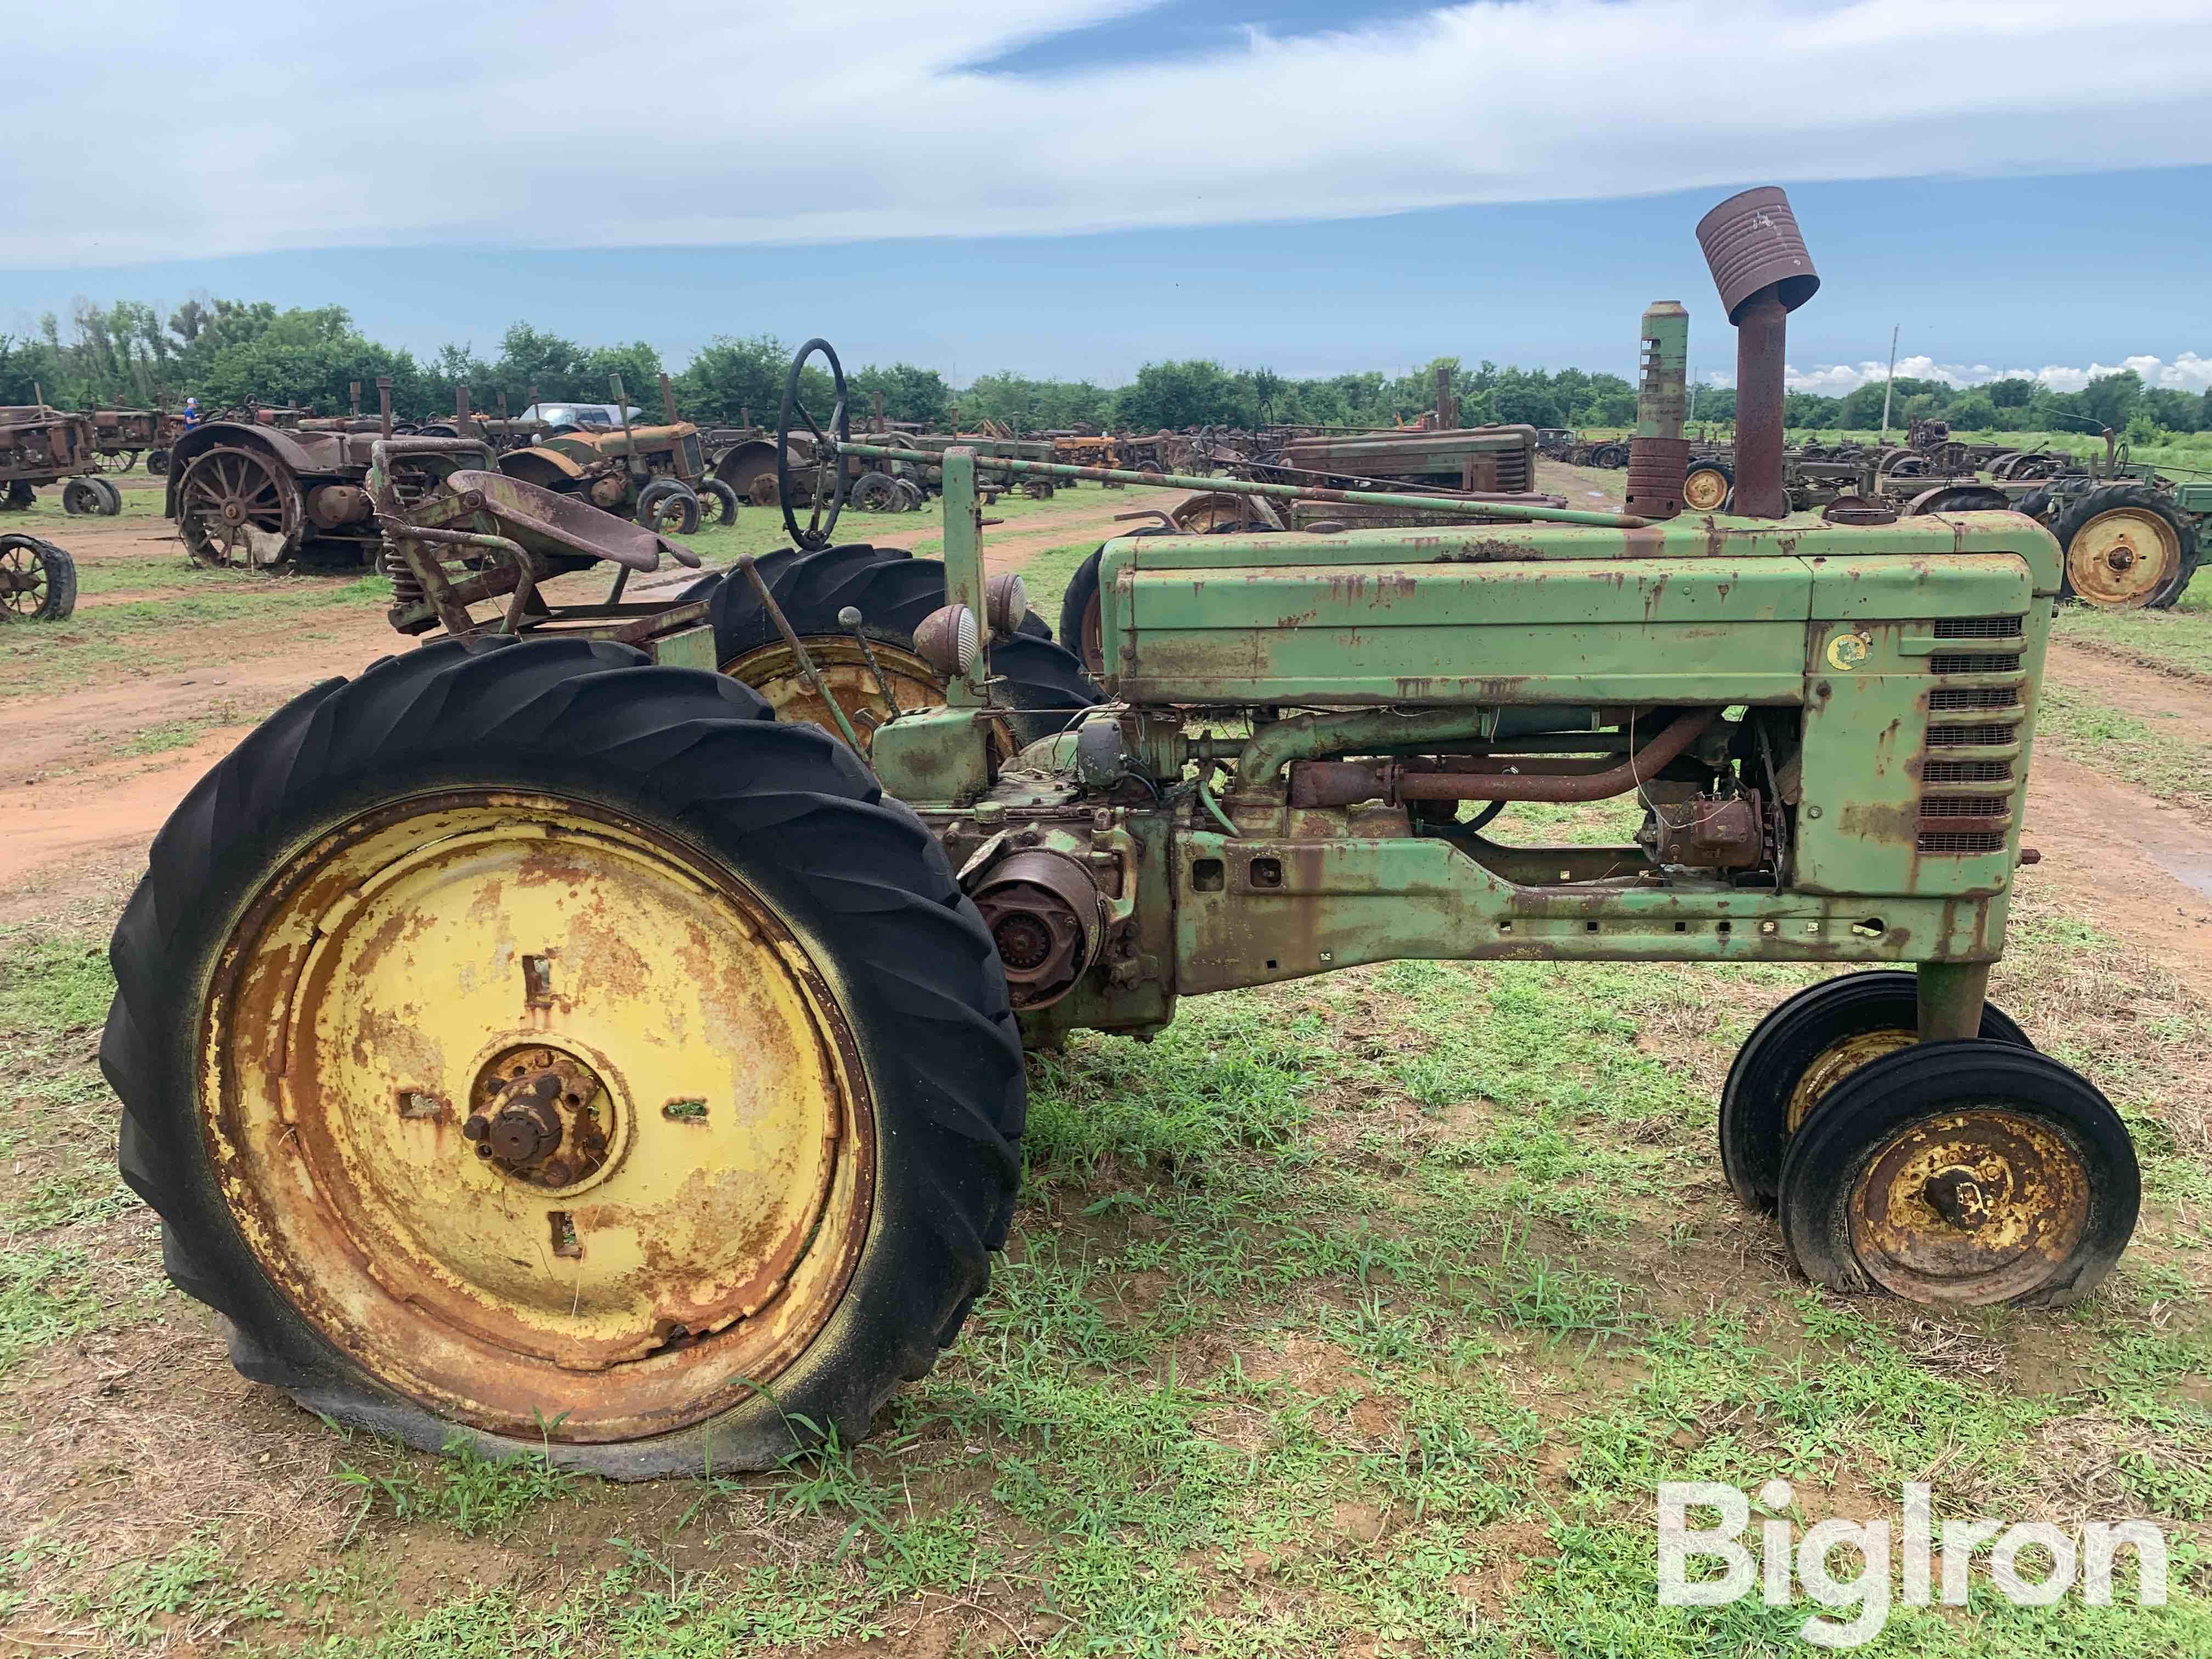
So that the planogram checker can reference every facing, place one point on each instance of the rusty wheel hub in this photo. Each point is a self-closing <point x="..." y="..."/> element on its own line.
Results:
<point x="1973" y="1207"/>
<point x="541" y="1115"/>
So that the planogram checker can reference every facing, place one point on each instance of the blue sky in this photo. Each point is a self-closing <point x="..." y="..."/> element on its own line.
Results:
<point x="1089" y="184"/>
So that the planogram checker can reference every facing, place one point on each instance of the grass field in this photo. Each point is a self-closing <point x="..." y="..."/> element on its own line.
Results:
<point x="1357" y="1316"/>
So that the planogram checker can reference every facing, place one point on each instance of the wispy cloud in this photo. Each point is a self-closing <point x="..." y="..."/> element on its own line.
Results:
<point x="506" y="125"/>
<point x="2186" y="372"/>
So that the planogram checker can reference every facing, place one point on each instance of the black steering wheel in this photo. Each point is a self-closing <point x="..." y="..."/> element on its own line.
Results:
<point x="828" y="491"/>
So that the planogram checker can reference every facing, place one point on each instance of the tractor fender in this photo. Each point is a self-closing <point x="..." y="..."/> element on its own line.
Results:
<point x="272" y="442"/>
<point x="745" y="463"/>
<point x="547" y="467"/>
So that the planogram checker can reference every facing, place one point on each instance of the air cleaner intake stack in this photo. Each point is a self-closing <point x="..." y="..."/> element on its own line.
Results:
<point x="1759" y="264"/>
<point x="1658" y="453"/>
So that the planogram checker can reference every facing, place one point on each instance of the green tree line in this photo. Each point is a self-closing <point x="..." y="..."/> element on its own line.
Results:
<point x="231" y="352"/>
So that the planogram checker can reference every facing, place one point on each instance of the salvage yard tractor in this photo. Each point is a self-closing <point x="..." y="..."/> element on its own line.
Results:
<point x="599" y="1028"/>
<point x="40" y="444"/>
<point x="654" y="474"/>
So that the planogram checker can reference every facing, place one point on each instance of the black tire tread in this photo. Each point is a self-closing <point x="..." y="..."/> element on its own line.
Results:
<point x="787" y="803"/>
<point x="61" y="576"/>
<point x="1754" y="1101"/>
<point x="1884" y="1095"/>
<point x="894" y="591"/>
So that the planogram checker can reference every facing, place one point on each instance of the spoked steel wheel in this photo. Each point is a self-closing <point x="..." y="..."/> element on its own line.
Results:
<point x="238" y="506"/>
<point x="37" y="581"/>
<point x="521" y="1071"/>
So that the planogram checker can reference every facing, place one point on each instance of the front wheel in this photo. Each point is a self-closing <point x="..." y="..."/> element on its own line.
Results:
<point x="37" y="581"/>
<point x="1962" y="1174"/>
<point x="528" y="1044"/>
<point x="1806" y="1046"/>
<point x="718" y="504"/>
<point x="669" y="507"/>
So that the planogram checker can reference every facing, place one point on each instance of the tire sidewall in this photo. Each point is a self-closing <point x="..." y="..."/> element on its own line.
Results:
<point x="1754" y="1131"/>
<point x="1839" y="1138"/>
<point x="903" y="1292"/>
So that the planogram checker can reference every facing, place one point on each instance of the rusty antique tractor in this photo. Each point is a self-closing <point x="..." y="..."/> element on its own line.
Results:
<point x="545" y="1041"/>
<point x="40" y="445"/>
<point x="654" y="474"/>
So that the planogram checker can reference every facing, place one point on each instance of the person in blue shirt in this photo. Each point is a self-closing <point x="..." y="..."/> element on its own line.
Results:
<point x="192" y="413"/>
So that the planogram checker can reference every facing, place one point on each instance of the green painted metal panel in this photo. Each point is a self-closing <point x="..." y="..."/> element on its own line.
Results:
<point x="1336" y="904"/>
<point x="1557" y="631"/>
<point x="1916" y="753"/>
<point x="694" y="647"/>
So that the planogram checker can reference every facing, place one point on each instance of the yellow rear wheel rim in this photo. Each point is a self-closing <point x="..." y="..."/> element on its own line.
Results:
<point x="709" y="1188"/>
<point x="772" y="671"/>
<point x="2119" y="560"/>
<point x="1703" y="490"/>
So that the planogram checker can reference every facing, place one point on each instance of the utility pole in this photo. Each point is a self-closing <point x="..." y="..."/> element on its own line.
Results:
<point x="1889" y="385"/>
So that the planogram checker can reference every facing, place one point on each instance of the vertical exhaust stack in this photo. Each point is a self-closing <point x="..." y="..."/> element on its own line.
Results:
<point x="1658" y="453"/>
<point x="1759" y="264"/>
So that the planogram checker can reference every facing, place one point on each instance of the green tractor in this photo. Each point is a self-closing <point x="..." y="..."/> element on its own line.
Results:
<point x="599" y="1030"/>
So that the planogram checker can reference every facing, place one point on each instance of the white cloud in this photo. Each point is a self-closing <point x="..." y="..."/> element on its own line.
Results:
<point x="2187" y="372"/>
<point x="505" y="124"/>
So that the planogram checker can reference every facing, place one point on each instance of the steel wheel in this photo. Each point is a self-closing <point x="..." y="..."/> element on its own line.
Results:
<point x="536" y="1161"/>
<point x="1795" y="1057"/>
<point x="37" y="581"/>
<point x="238" y="507"/>
<point x="873" y="492"/>
<point x="2124" y="549"/>
<point x="1965" y="1173"/>
<point x="1703" y="489"/>
<point x="550" y="1048"/>
<point x="773" y="673"/>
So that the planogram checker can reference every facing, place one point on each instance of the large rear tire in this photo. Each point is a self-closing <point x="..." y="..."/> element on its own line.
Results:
<point x="893" y="591"/>
<point x="2126" y="549"/>
<point x="801" y="1146"/>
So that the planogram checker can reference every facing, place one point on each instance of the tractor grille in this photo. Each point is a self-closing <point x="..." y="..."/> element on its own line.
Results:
<point x="1957" y="841"/>
<point x="1965" y="771"/>
<point x="1950" y="736"/>
<point x="1967" y="808"/>
<point x="1978" y="627"/>
<point x="1953" y="662"/>
<point x="1974" y="697"/>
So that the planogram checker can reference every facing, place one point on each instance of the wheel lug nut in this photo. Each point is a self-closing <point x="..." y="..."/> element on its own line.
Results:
<point x="477" y="1128"/>
<point x="557" y="1174"/>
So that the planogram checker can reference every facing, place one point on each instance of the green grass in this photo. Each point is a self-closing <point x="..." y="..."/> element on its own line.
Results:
<point x="2172" y="757"/>
<point x="2176" y="641"/>
<point x="1365" y="1309"/>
